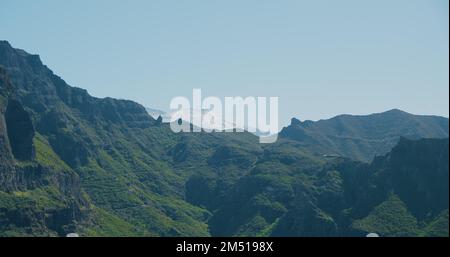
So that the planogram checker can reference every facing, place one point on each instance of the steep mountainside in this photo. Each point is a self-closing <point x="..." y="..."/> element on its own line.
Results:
<point x="404" y="193"/>
<point x="364" y="137"/>
<point x="39" y="194"/>
<point x="70" y="162"/>
<point x="133" y="168"/>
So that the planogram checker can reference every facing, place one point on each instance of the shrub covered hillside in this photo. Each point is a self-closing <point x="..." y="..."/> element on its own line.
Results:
<point x="70" y="162"/>
<point x="362" y="137"/>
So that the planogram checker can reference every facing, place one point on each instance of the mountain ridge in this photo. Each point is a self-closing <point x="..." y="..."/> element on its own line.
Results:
<point x="104" y="167"/>
<point x="362" y="137"/>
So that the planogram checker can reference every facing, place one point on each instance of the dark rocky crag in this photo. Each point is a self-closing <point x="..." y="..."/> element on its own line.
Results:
<point x="34" y="198"/>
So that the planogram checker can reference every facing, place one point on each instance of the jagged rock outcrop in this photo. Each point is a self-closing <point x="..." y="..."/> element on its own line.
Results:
<point x="20" y="131"/>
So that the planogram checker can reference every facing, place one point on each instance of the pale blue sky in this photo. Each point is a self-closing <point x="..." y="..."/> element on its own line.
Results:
<point x="321" y="58"/>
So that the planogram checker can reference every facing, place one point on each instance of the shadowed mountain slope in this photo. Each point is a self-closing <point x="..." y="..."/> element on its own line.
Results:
<point x="364" y="137"/>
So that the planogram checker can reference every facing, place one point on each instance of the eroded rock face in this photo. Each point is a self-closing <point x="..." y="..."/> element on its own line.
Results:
<point x="20" y="131"/>
<point x="35" y="199"/>
<point x="6" y="158"/>
<point x="6" y="167"/>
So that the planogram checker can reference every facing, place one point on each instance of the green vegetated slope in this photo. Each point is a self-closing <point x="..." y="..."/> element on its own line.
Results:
<point x="362" y="137"/>
<point x="39" y="194"/>
<point x="401" y="194"/>
<point x="103" y="167"/>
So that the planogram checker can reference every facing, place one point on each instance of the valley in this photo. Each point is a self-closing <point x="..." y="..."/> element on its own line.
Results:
<point x="74" y="163"/>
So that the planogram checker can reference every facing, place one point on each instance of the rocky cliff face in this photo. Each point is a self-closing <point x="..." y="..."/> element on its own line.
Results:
<point x="57" y="109"/>
<point x="404" y="193"/>
<point x="34" y="198"/>
<point x="20" y="131"/>
<point x="419" y="172"/>
<point x="6" y="164"/>
<point x="58" y="139"/>
<point x="408" y="189"/>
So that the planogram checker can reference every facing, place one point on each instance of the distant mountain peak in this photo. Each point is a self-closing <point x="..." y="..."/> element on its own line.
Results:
<point x="295" y="122"/>
<point x="14" y="57"/>
<point x="397" y="111"/>
<point x="5" y="43"/>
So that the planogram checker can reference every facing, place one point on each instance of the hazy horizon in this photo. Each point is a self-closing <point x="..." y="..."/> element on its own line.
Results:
<point x="322" y="59"/>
